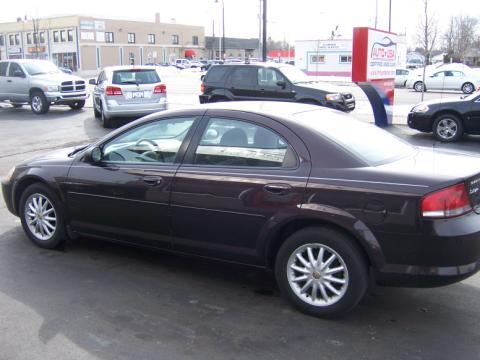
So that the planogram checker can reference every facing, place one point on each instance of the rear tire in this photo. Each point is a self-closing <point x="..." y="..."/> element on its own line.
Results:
<point x="448" y="128"/>
<point x="314" y="285"/>
<point x="77" y="105"/>
<point x="39" y="103"/>
<point x="106" y="121"/>
<point x="41" y="215"/>
<point x="418" y="86"/>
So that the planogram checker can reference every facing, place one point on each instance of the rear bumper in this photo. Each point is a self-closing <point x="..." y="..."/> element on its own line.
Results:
<point x="446" y="251"/>
<point x="420" y="122"/>
<point x="112" y="110"/>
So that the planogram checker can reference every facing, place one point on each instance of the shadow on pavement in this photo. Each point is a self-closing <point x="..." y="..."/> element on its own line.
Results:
<point x="117" y="302"/>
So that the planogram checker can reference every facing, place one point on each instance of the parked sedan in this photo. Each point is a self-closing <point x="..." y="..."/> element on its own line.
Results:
<point x="125" y="91"/>
<point x="465" y="81"/>
<point x="298" y="189"/>
<point x="448" y="119"/>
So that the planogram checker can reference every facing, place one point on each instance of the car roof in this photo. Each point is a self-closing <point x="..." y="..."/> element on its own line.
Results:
<point x="129" y="67"/>
<point x="261" y="64"/>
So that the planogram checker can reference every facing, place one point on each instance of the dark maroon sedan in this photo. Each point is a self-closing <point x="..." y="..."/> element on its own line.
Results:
<point x="326" y="201"/>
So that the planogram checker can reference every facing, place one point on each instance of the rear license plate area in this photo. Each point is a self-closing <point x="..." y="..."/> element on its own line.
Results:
<point x="138" y="95"/>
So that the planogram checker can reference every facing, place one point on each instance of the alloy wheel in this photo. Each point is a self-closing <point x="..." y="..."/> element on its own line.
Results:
<point x="467" y="88"/>
<point x="37" y="103"/>
<point x="40" y="217"/>
<point x="447" y="128"/>
<point x="317" y="274"/>
<point x="419" y="86"/>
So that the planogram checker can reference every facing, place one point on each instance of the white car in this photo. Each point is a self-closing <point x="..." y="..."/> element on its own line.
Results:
<point x="445" y="78"/>
<point x="182" y="63"/>
<point x="401" y="77"/>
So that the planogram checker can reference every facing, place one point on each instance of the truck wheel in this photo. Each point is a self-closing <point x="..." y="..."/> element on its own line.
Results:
<point x="39" y="103"/>
<point x="323" y="272"/>
<point x="77" y="105"/>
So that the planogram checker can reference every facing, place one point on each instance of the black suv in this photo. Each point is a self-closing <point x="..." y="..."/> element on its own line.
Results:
<point x="262" y="81"/>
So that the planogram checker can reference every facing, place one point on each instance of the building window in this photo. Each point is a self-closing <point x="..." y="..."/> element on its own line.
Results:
<point x="131" y="38"/>
<point x="109" y="37"/>
<point x="98" y="58"/>
<point x="151" y="38"/>
<point x="195" y="40"/>
<point x="131" y="58"/>
<point x="29" y="38"/>
<point x="17" y="39"/>
<point x="55" y="36"/>
<point x="62" y="36"/>
<point x="317" y="59"/>
<point x="2" y="40"/>
<point x="175" y="40"/>
<point x="70" y="35"/>
<point x="42" y="37"/>
<point x="345" y="59"/>
<point x="35" y="38"/>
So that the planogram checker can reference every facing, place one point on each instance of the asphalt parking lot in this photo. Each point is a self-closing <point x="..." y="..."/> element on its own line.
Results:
<point x="94" y="300"/>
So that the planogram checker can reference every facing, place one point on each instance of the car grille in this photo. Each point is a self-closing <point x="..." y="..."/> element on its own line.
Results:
<point x="69" y="86"/>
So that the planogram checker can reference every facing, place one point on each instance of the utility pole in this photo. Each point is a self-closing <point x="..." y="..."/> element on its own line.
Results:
<point x="223" y="30"/>
<point x="213" y="40"/>
<point x="389" y="15"/>
<point x="264" y="39"/>
<point x="376" y="13"/>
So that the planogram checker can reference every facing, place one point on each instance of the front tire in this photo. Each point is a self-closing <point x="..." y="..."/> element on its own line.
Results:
<point x="39" y="103"/>
<point x="321" y="271"/>
<point x="468" y="88"/>
<point x="42" y="217"/>
<point x="77" y="105"/>
<point x="448" y="128"/>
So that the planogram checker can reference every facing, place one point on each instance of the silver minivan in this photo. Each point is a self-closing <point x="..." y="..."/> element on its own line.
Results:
<point x="128" y="91"/>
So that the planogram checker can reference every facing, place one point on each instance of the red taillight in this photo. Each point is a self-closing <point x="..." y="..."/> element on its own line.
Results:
<point x="160" y="89"/>
<point x="448" y="202"/>
<point x="113" y="91"/>
<point x="202" y="88"/>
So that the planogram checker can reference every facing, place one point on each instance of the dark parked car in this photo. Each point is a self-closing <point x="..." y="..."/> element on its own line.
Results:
<point x="270" y="81"/>
<point x="448" y="119"/>
<point x="299" y="189"/>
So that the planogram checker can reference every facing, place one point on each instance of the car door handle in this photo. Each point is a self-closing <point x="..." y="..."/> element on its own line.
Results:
<point x="152" y="180"/>
<point x="277" y="189"/>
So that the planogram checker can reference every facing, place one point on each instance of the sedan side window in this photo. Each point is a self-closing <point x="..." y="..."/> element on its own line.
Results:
<point x="228" y="142"/>
<point x="155" y="142"/>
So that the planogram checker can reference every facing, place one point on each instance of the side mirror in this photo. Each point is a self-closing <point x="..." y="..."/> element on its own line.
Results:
<point x="92" y="82"/>
<point x="94" y="155"/>
<point x="282" y="84"/>
<point x="202" y="77"/>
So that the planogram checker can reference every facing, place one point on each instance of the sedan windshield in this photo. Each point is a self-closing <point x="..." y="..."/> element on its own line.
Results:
<point x="295" y="75"/>
<point x="365" y="141"/>
<point x="40" y="67"/>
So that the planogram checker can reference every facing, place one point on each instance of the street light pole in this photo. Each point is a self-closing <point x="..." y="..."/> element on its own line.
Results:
<point x="223" y="30"/>
<point x="264" y="39"/>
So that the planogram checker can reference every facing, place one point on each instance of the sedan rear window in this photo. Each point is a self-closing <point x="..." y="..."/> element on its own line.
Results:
<point x="135" y="76"/>
<point x="366" y="141"/>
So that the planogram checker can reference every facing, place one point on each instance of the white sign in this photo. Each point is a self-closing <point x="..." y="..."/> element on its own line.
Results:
<point x="331" y="46"/>
<point x="100" y="36"/>
<point x="382" y="55"/>
<point x="14" y="50"/>
<point x="87" y="35"/>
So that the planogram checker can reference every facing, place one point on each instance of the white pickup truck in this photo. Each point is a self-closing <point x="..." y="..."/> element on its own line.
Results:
<point x="41" y="84"/>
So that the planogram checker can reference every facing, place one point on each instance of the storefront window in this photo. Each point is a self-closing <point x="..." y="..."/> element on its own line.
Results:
<point x="317" y="59"/>
<point x="66" y="60"/>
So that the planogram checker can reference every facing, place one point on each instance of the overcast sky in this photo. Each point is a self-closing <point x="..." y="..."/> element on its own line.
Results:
<point x="292" y="19"/>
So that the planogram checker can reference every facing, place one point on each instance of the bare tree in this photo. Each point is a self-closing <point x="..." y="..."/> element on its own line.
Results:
<point x="427" y="31"/>
<point x="460" y="36"/>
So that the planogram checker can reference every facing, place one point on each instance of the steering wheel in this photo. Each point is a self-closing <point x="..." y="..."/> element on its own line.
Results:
<point x="151" y="143"/>
<point x="154" y="150"/>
